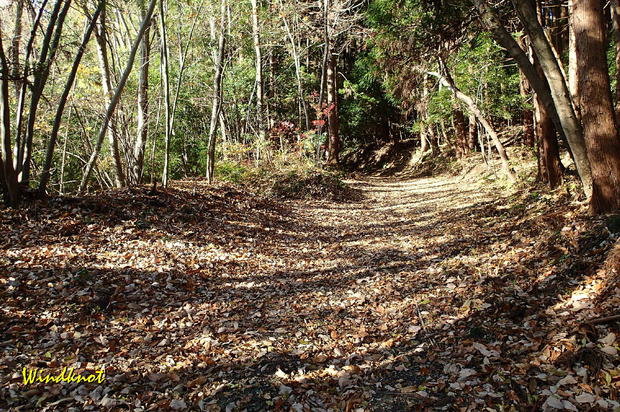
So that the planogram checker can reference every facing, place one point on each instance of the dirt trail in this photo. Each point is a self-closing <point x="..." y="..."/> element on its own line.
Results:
<point x="426" y="293"/>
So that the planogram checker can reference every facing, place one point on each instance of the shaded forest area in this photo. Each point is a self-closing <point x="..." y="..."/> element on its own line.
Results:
<point x="310" y="205"/>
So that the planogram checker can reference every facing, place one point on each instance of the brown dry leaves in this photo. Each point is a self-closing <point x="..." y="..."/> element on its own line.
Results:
<point x="428" y="293"/>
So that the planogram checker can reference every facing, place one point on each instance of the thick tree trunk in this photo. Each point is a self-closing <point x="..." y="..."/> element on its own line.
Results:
<point x="615" y="15"/>
<point x="434" y="139"/>
<point x="333" y="119"/>
<point x="51" y="144"/>
<point x="597" y="115"/>
<point x="559" y="90"/>
<point x="472" y="136"/>
<point x="116" y="97"/>
<point x="553" y="92"/>
<point x="217" y="93"/>
<point x="550" y="168"/>
<point x="136" y="169"/>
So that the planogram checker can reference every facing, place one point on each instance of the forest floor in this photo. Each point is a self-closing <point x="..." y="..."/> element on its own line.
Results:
<point x="431" y="293"/>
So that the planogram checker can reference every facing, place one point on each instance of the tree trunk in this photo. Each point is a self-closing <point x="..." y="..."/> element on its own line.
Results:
<point x="48" y="53"/>
<point x="165" y="71"/>
<point x="136" y="169"/>
<point x="424" y="142"/>
<point x="527" y="115"/>
<point x="51" y="145"/>
<point x="116" y="97"/>
<point x="473" y="108"/>
<point x="259" y="70"/>
<point x="460" y="130"/>
<point x="559" y="90"/>
<point x="597" y="115"/>
<point x="472" y="137"/>
<point x="615" y="15"/>
<point x="8" y="175"/>
<point x="16" y="43"/>
<point x="217" y="93"/>
<point x="21" y="101"/>
<point x="106" y="82"/>
<point x="550" y="168"/>
<point x="434" y="139"/>
<point x="553" y="92"/>
<point x="333" y="119"/>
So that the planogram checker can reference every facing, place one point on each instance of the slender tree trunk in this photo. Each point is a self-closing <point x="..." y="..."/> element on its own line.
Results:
<point x="116" y="97"/>
<point x="473" y="108"/>
<point x="136" y="169"/>
<point x="217" y="93"/>
<point x="16" y="44"/>
<point x="106" y="82"/>
<point x="259" y="70"/>
<point x="527" y="115"/>
<point x="424" y="141"/>
<point x="434" y="139"/>
<point x="8" y="175"/>
<point x="597" y="115"/>
<point x="460" y="130"/>
<point x="297" y="62"/>
<point x="21" y="101"/>
<point x="51" y="144"/>
<point x="49" y="49"/>
<point x="333" y="119"/>
<point x="165" y="71"/>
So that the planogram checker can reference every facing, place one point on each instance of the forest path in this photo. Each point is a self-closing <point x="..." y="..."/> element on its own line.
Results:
<point x="411" y="297"/>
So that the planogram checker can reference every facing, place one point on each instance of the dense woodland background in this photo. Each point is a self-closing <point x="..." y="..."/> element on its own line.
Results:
<point x="311" y="205"/>
<point x="122" y="93"/>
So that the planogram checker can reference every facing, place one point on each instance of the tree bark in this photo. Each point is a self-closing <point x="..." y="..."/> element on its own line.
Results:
<point x="552" y="89"/>
<point x="598" y="116"/>
<point x="615" y="16"/>
<point x="333" y="119"/>
<point x="550" y="168"/>
<point x="472" y="136"/>
<point x="48" y="53"/>
<point x="473" y="108"/>
<point x="51" y="145"/>
<point x="8" y="175"/>
<point x="106" y="82"/>
<point x="165" y="71"/>
<point x="217" y="93"/>
<point x="460" y="129"/>
<point x="136" y="169"/>
<point x="116" y="97"/>
<point x="259" y="70"/>
<point x="16" y="43"/>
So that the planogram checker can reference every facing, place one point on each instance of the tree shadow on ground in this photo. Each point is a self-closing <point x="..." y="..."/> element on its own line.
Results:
<point x="337" y="323"/>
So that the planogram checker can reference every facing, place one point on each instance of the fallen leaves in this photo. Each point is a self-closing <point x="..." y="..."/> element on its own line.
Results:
<point x="428" y="294"/>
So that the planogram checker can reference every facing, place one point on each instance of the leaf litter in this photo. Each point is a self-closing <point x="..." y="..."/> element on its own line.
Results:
<point x="424" y="294"/>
